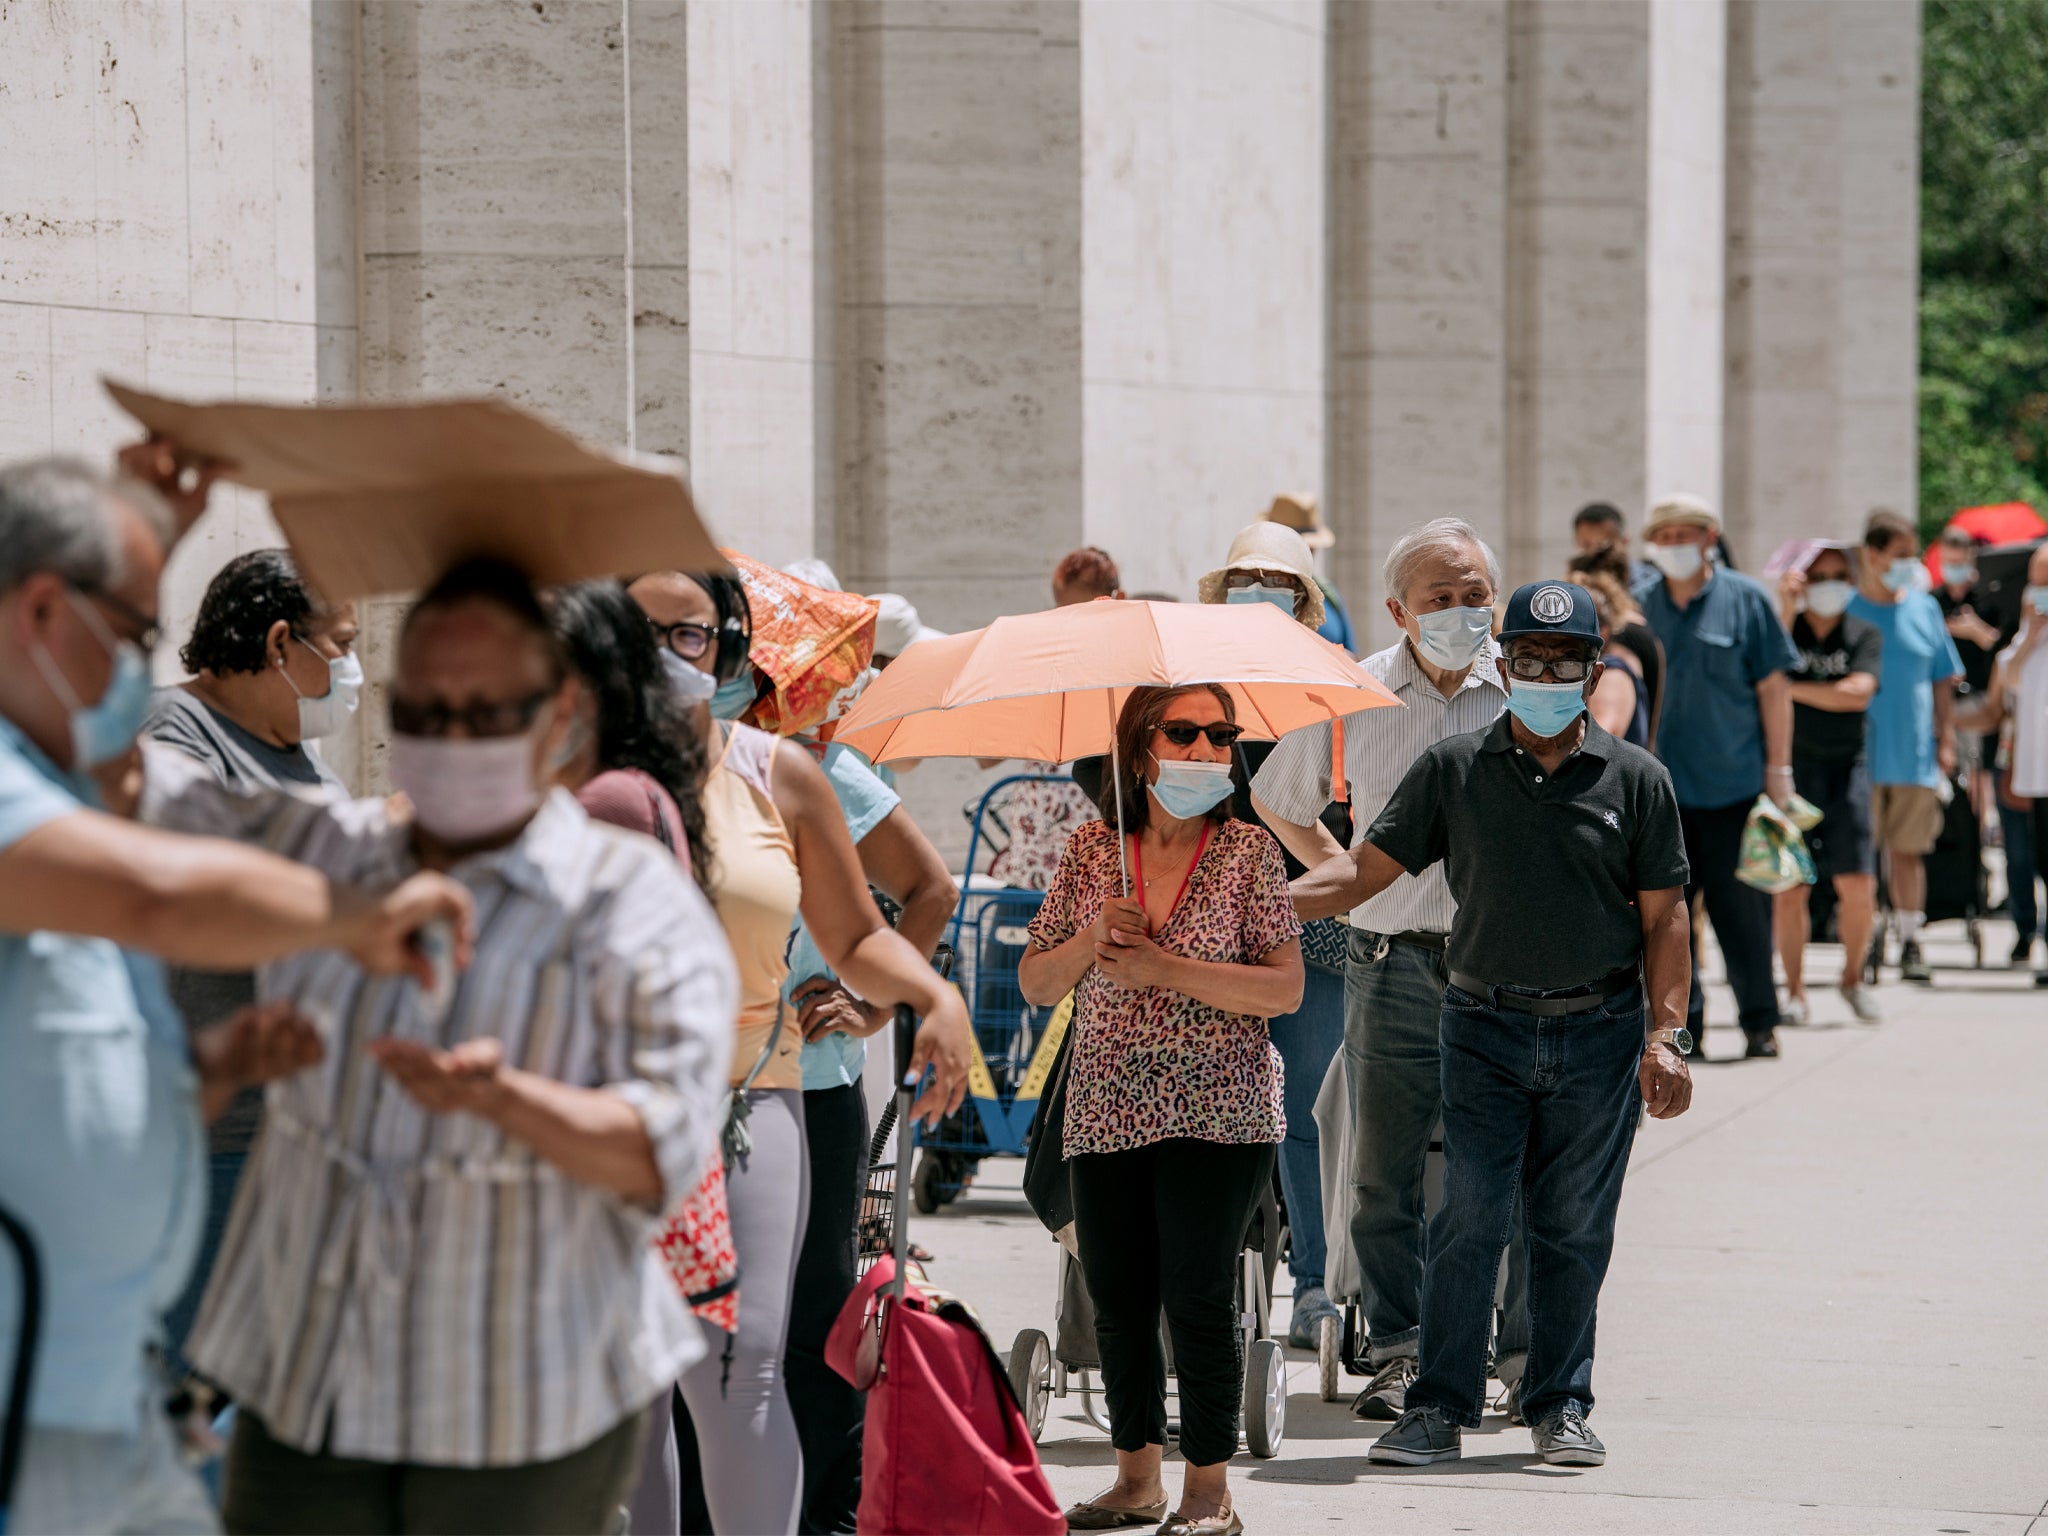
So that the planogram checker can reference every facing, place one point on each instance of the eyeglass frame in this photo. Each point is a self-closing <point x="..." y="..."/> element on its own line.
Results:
<point x="665" y="637"/>
<point x="1583" y="664"/>
<point x="149" y="631"/>
<point x="435" y="720"/>
<point x="1230" y="734"/>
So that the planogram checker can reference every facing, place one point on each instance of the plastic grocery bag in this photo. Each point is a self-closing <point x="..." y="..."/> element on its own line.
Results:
<point x="1774" y="856"/>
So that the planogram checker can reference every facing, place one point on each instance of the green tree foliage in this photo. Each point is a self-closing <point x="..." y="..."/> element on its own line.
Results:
<point x="1983" y="256"/>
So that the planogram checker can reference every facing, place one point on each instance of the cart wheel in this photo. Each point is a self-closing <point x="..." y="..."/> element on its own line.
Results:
<point x="1265" y="1397"/>
<point x="1330" y="1358"/>
<point x="924" y="1185"/>
<point x="1031" y="1375"/>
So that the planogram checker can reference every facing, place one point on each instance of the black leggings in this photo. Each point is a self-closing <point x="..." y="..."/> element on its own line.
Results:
<point x="1161" y="1226"/>
<point x="827" y="1409"/>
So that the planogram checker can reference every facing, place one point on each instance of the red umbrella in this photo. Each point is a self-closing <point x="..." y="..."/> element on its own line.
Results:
<point x="2009" y="522"/>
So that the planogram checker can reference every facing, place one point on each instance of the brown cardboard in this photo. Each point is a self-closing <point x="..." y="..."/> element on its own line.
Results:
<point x="380" y="499"/>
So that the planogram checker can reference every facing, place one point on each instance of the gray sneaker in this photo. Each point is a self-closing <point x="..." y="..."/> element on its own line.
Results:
<point x="1862" y="1002"/>
<point x="1563" y="1439"/>
<point x="1386" y="1396"/>
<point x="1423" y="1435"/>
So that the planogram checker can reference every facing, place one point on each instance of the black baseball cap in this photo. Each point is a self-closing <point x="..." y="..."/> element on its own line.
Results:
<point x="1552" y="608"/>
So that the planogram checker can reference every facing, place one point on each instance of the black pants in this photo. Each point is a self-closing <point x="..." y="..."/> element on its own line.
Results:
<point x="272" y="1487"/>
<point x="1161" y="1227"/>
<point x="1741" y="916"/>
<point x="827" y="1409"/>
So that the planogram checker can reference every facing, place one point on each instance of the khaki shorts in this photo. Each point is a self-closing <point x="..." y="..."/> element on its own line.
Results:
<point x="1907" y="818"/>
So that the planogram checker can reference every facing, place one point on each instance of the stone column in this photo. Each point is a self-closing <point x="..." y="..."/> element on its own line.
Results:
<point x="1418" y="270"/>
<point x="957" y="277"/>
<point x="1823" y="265"/>
<point x="1202" y="284"/>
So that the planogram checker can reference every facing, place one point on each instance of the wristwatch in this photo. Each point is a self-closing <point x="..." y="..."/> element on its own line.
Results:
<point x="1679" y="1039"/>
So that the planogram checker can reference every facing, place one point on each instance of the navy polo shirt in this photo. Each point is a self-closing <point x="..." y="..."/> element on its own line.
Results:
<point x="1544" y="866"/>
<point x="1716" y="650"/>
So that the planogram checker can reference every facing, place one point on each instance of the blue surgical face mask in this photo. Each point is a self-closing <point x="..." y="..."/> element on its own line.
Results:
<point x="735" y="698"/>
<point x="1902" y="575"/>
<point x="2036" y="598"/>
<point x="1957" y="573"/>
<point x="1189" y="789"/>
<point x="1283" y="598"/>
<point x="1547" y="709"/>
<point x="1453" y="638"/>
<point x="103" y="731"/>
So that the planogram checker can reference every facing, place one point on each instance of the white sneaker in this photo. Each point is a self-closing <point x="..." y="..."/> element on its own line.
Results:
<point x="1794" y="1011"/>
<point x="1862" y="1002"/>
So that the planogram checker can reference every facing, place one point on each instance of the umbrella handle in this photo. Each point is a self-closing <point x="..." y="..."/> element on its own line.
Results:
<point x="1116" y="769"/>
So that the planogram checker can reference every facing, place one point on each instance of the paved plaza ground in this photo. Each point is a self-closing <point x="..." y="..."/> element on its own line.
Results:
<point x="1827" y="1312"/>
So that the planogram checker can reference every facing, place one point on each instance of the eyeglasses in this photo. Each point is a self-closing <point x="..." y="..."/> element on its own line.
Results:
<point x="1262" y="578"/>
<point x="687" y="640"/>
<point x="1182" y="733"/>
<point x="1566" y="669"/>
<point x="482" y="719"/>
<point x="146" y="630"/>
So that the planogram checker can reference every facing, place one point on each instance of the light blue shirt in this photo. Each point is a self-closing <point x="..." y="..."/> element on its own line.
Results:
<point x="1716" y="650"/>
<point x="837" y="1060"/>
<point x="1918" y="653"/>
<point x="100" y="1139"/>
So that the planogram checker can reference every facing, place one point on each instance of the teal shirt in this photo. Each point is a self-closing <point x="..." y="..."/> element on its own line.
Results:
<point x="100" y="1139"/>
<point x="866" y="801"/>
<point x="1918" y="653"/>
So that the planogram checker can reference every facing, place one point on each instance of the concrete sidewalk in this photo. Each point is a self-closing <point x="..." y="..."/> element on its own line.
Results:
<point x="1827" y="1311"/>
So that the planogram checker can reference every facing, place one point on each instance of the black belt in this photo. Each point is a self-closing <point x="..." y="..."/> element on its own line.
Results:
<point x="1433" y="942"/>
<point x="1579" y="1000"/>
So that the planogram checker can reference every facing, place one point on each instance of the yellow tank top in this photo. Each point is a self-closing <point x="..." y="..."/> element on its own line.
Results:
<point x="756" y="889"/>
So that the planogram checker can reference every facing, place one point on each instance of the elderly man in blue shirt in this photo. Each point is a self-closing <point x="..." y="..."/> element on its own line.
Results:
<point x="101" y="1091"/>
<point x="1726" y="736"/>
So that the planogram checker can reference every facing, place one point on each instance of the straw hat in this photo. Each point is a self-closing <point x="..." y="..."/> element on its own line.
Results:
<point x="1680" y="510"/>
<point x="1268" y="546"/>
<point x="1300" y="513"/>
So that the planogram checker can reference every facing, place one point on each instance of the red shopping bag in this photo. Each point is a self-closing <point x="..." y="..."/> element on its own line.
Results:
<point x="946" y="1448"/>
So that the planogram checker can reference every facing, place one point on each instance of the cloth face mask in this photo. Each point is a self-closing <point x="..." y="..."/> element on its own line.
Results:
<point x="1680" y="562"/>
<point x="465" y="789"/>
<point x="691" y="684"/>
<point x="1283" y="598"/>
<point x="329" y="712"/>
<point x="1186" y="790"/>
<point x="1547" y="709"/>
<point x="1453" y="638"/>
<point x="1828" y="599"/>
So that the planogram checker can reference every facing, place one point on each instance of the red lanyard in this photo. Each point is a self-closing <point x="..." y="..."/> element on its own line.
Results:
<point x="1138" y="864"/>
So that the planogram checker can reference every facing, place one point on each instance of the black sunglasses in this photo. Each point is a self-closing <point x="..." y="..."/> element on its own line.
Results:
<point x="688" y="641"/>
<point x="1182" y="733"/>
<point x="483" y="719"/>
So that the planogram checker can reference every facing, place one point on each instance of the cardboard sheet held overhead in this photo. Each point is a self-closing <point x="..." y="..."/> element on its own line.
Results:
<point x="378" y="499"/>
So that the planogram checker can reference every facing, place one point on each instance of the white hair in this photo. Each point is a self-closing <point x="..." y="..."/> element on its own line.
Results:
<point x="1440" y="536"/>
<point x="58" y="515"/>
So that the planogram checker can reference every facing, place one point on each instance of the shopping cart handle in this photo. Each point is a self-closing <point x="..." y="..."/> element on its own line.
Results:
<point x="906" y="1042"/>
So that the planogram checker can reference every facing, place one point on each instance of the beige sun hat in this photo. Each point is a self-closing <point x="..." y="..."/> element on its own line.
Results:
<point x="1682" y="511"/>
<point x="1264" y="546"/>
<point x="1301" y="513"/>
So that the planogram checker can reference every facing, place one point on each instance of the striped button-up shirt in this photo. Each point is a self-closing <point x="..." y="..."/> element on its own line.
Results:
<point x="1380" y="745"/>
<point x="403" y="1286"/>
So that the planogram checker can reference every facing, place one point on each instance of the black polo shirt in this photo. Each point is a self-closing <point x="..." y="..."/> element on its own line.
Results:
<point x="1544" y="867"/>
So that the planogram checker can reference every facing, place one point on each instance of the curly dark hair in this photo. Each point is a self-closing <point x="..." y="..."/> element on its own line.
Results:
<point x="248" y="595"/>
<point x="1142" y="714"/>
<point x="640" y="722"/>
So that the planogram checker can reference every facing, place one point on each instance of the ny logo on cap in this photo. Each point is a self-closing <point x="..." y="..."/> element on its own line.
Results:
<point x="1553" y="605"/>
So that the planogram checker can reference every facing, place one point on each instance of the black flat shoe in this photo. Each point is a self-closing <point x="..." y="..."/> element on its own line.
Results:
<point x="1764" y="1045"/>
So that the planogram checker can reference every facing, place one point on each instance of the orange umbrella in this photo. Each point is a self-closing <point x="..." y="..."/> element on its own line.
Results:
<point x="1048" y="686"/>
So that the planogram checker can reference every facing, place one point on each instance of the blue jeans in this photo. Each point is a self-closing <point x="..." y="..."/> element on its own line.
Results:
<point x="1548" y="1106"/>
<point x="1307" y="1038"/>
<point x="1393" y="999"/>
<point x="2020" y="873"/>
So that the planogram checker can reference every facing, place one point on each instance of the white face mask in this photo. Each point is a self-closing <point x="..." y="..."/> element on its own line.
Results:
<point x="466" y="790"/>
<point x="1453" y="638"/>
<point x="1828" y="599"/>
<point x="691" y="685"/>
<point x="1680" y="562"/>
<point x="329" y="712"/>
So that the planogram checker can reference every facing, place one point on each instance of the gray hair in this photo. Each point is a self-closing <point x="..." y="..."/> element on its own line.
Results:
<point x="1439" y="536"/>
<point x="57" y="515"/>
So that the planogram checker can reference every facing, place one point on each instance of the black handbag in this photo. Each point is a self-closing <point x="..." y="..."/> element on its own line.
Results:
<point x="1047" y="1187"/>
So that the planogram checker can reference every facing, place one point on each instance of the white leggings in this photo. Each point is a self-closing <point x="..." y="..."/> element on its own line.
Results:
<point x="746" y="1436"/>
